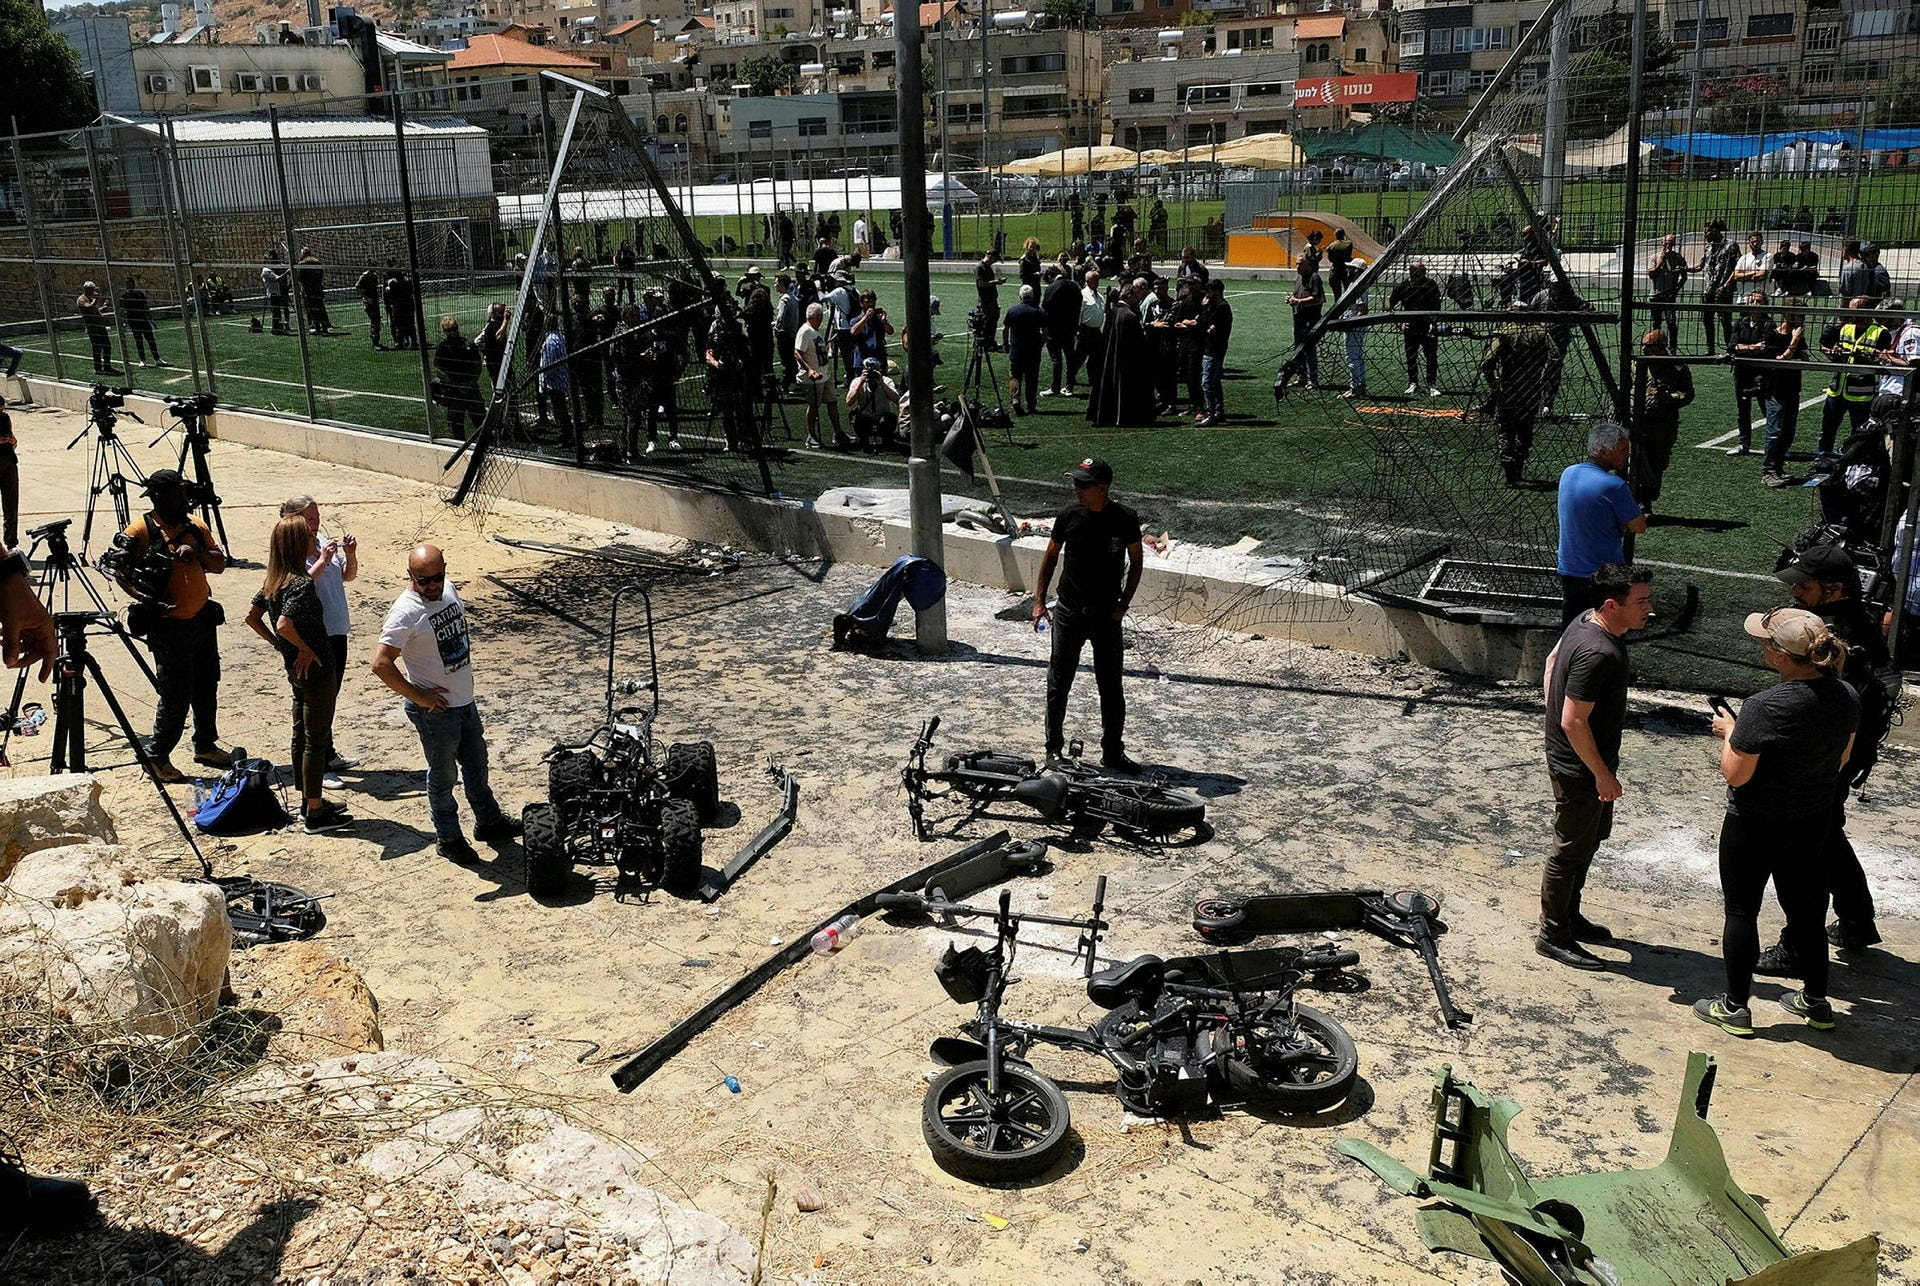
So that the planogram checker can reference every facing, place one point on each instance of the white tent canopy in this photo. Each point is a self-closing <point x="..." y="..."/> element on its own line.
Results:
<point x="762" y="196"/>
<point x="1582" y="158"/>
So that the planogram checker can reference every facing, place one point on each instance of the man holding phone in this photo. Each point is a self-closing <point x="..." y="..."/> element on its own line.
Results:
<point x="427" y="630"/>
<point x="1586" y="706"/>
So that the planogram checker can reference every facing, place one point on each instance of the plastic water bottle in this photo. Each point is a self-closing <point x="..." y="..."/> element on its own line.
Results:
<point x="835" y="935"/>
<point x="732" y="1083"/>
<point x="1039" y="625"/>
<point x="200" y="792"/>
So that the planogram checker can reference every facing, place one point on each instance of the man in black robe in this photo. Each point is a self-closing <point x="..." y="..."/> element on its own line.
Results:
<point x="1123" y="396"/>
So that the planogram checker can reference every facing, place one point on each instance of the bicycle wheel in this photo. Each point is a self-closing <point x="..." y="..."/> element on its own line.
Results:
<point x="988" y="1138"/>
<point x="1306" y="1066"/>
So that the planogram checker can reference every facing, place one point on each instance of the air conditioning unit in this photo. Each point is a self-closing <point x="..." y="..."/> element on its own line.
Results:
<point x="311" y="84"/>
<point x="283" y="84"/>
<point x="158" y="84"/>
<point x="246" y="82"/>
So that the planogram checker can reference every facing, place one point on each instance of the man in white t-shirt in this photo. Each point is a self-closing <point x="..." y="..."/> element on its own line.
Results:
<point x="1906" y="353"/>
<point x="330" y="564"/>
<point x="816" y="377"/>
<point x="860" y="236"/>
<point x="425" y="655"/>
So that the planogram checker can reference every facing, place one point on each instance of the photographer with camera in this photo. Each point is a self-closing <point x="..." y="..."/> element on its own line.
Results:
<point x="986" y="284"/>
<point x="873" y="405"/>
<point x="181" y="622"/>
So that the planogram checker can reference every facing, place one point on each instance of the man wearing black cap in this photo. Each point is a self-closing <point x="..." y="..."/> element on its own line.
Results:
<point x="1825" y="581"/>
<point x="185" y="640"/>
<point x="1101" y="542"/>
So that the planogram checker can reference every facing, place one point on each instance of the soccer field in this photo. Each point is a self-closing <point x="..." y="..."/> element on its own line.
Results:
<point x="1277" y="474"/>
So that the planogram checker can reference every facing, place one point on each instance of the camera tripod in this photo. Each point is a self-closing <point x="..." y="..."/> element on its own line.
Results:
<point x="980" y="370"/>
<point x="71" y="668"/>
<point x="113" y="464"/>
<point x="195" y="443"/>
<point x="60" y="571"/>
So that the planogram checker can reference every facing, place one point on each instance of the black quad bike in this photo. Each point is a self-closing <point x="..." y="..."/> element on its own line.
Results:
<point x="1184" y="1035"/>
<point x="1074" y="793"/>
<point x="613" y="800"/>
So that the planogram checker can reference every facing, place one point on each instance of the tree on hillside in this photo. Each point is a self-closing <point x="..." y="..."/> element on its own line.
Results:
<point x="765" y="76"/>
<point x="1069" y="13"/>
<point x="43" y="88"/>
<point x="1598" y="76"/>
<point x="1899" y="103"/>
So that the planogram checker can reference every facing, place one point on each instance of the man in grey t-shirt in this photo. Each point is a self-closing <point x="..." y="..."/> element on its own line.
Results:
<point x="1586" y="704"/>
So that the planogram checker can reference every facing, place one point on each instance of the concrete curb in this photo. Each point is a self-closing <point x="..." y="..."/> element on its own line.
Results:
<point x="1180" y="587"/>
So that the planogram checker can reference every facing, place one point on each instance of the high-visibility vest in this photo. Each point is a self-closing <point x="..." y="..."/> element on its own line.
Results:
<point x="1859" y="346"/>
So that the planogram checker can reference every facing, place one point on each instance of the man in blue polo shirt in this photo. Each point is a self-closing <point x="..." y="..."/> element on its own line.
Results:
<point x="1597" y="512"/>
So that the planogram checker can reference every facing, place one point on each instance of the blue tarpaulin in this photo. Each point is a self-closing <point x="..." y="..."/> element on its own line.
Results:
<point x="1736" y="147"/>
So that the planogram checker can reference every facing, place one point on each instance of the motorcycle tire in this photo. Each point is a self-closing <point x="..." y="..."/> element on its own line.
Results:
<point x="1218" y="917"/>
<point x="572" y="774"/>
<point x="966" y="1140"/>
<point x="680" y="846"/>
<point x="1301" y="1088"/>
<point x="1152" y="810"/>
<point x="548" y="866"/>
<point x="693" y="774"/>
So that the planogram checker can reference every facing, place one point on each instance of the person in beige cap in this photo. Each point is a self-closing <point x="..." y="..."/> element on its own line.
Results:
<point x="1781" y="761"/>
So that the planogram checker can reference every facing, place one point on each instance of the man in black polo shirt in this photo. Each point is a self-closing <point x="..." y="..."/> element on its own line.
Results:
<point x="986" y="284"/>
<point x="1586" y="704"/>
<point x="1101" y="542"/>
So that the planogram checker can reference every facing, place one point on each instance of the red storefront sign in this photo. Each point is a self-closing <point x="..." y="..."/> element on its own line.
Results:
<point x="1349" y="91"/>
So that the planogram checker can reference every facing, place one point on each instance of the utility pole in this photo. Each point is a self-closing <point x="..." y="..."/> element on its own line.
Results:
<point x="923" y="465"/>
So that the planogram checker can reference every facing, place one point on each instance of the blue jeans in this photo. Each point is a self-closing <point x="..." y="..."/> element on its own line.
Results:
<point x="1356" y="359"/>
<point x="1783" y="416"/>
<point x="1212" y="399"/>
<point x="456" y="748"/>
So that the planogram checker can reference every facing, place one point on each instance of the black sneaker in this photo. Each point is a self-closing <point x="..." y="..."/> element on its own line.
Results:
<point x="842" y="623"/>
<point x="458" y="850"/>
<point x="1118" y="761"/>
<point x="1815" y="1011"/>
<point x="328" y="816"/>
<point x="1853" y="937"/>
<point x="1570" y="954"/>
<point x="1735" y="1020"/>
<point x="1585" y="930"/>
<point x="503" y="827"/>
<point x="1054" y="761"/>
<point x="1776" y="962"/>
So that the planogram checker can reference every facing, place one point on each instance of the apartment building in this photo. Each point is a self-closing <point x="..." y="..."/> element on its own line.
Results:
<point x="230" y="77"/>
<point x="1821" y="51"/>
<point x="1191" y="102"/>
<point x="1457" y="49"/>
<point x="1006" y="92"/>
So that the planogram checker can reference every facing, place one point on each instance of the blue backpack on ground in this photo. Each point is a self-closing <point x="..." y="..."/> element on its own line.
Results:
<point x="242" y="802"/>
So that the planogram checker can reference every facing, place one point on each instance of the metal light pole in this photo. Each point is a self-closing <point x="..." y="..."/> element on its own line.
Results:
<point x="923" y="467"/>
<point x="1553" y="134"/>
<point x="1630" y="214"/>
<point x="946" y="148"/>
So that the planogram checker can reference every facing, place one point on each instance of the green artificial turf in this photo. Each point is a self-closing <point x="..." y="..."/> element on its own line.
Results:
<point x="1270" y="473"/>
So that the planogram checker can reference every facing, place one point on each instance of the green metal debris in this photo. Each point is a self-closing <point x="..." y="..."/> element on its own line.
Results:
<point x="1683" y="1222"/>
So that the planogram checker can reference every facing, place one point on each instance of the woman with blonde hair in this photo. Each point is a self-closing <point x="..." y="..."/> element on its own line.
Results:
<point x="1781" y="760"/>
<point x="287" y="613"/>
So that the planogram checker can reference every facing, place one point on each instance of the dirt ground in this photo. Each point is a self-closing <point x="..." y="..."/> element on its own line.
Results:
<point x="1321" y="770"/>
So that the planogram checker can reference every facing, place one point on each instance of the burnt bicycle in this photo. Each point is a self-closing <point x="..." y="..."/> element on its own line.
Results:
<point x="1185" y="1036"/>
<point x="1070" y="791"/>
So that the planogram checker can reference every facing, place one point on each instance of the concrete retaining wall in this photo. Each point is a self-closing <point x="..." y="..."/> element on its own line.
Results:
<point x="1179" y="587"/>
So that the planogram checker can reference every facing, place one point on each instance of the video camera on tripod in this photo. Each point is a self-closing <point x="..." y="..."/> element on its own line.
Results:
<point x="190" y="409"/>
<point x="146" y="574"/>
<point x="102" y="403"/>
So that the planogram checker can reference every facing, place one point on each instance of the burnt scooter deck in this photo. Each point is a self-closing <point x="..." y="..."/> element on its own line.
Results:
<point x="1406" y="919"/>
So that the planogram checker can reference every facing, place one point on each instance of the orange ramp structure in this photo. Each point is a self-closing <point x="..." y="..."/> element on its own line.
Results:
<point x="1277" y="240"/>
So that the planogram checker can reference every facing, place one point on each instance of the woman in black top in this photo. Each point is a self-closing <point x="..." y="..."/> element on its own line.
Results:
<point x="1030" y="263"/>
<point x="1781" y="761"/>
<point x="1780" y="393"/>
<point x="456" y="366"/>
<point x="287" y="614"/>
